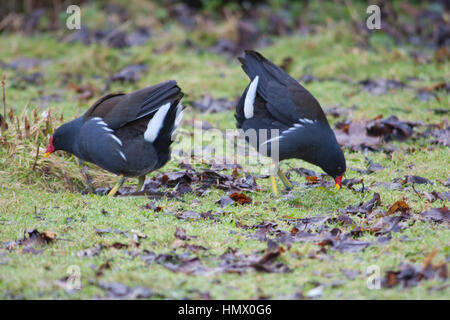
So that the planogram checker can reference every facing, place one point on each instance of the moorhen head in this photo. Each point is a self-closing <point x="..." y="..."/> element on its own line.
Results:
<point x="274" y="100"/>
<point x="127" y="134"/>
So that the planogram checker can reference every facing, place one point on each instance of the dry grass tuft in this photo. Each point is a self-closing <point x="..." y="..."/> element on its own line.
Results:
<point x="22" y="146"/>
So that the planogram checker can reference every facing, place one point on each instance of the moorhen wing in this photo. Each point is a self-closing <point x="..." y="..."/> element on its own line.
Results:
<point x="274" y="100"/>
<point x="127" y="134"/>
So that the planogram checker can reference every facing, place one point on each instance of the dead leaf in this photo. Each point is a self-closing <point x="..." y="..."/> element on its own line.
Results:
<point x="180" y="233"/>
<point x="437" y="214"/>
<point x="398" y="206"/>
<point x="240" y="198"/>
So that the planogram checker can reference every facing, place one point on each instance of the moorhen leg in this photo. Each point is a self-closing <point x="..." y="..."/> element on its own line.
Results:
<point x="273" y="179"/>
<point x="117" y="186"/>
<point x="274" y="185"/>
<point x="140" y="183"/>
<point x="284" y="179"/>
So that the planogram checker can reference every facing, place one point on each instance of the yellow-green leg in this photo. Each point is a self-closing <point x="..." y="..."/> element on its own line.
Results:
<point x="274" y="185"/>
<point x="284" y="179"/>
<point x="117" y="186"/>
<point x="140" y="183"/>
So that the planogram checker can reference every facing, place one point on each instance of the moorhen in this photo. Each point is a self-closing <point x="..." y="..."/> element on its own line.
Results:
<point x="296" y="126"/>
<point x="127" y="134"/>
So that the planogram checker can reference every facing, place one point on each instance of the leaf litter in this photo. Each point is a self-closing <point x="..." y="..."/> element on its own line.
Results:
<point x="32" y="240"/>
<point x="192" y="181"/>
<point x="409" y="275"/>
<point x="231" y="261"/>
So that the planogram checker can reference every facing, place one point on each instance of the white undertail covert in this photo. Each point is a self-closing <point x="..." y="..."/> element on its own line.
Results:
<point x="250" y="98"/>
<point x="156" y="123"/>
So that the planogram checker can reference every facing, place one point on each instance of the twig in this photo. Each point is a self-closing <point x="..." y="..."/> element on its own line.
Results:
<point x="416" y="191"/>
<point x="4" y="95"/>
<point x="429" y="259"/>
<point x="3" y="119"/>
<point x="35" y="159"/>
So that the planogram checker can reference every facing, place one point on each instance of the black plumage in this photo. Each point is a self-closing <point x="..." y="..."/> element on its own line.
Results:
<point x="127" y="134"/>
<point x="280" y="102"/>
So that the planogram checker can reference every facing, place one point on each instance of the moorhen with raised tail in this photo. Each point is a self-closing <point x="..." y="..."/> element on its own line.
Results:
<point x="294" y="123"/>
<point x="127" y="134"/>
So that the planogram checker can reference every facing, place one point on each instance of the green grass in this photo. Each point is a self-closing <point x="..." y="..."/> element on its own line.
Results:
<point x="31" y="200"/>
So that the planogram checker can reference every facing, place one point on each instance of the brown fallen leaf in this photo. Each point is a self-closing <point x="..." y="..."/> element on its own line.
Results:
<point x="428" y="260"/>
<point x="312" y="179"/>
<point x="240" y="198"/>
<point x="441" y="55"/>
<point x="39" y="238"/>
<point x="434" y="87"/>
<point x="85" y="92"/>
<point x="364" y="208"/>
<point x="390" y="128"/>
<point x="119" y="245"/>
<point x="398" y="206"/>
<point x="354" y="136"/>
<point x="102" y="267"/>
<point x="411" y="275"/>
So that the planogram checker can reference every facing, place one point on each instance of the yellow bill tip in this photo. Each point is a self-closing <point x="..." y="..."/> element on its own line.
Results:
<point x="338" y="186"/>
<point x="47" y="154"/>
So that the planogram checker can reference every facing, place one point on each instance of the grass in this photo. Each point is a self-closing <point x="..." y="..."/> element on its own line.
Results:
<point x="41" y="198"/>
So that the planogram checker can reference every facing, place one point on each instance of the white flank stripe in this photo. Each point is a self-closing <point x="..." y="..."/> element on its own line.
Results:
<point x="117" y="139"/>
<point x="270" y="140"/>
<point x="250" y="98"/>
<point x="103" y="123"/>
<point x="288" y="130"/>
<point x="155" y="124"/>
<point x="122" y="155"/>
<point x="306" y="120"/>
<point x="108" y="129"/>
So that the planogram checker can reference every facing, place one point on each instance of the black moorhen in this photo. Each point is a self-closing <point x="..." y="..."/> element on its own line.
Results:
<point x="127" y="134"/>
<point x="274" y="100"/>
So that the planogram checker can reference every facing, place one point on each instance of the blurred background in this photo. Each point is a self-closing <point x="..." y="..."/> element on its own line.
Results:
<point x="123" y="45"/>
<point x="227" y="26"/>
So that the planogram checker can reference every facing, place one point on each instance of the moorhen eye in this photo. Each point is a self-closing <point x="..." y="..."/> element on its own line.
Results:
<point x="275" y="100"/>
